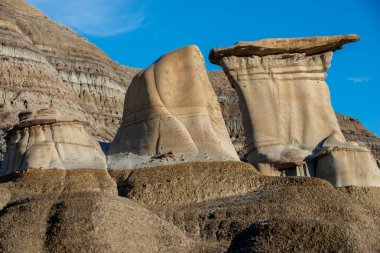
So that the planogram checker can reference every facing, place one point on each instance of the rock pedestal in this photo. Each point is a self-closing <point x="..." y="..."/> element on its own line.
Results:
<point x="47" y="140"/>
<point x="171" y="115"/>
<point x="283" y="98"/>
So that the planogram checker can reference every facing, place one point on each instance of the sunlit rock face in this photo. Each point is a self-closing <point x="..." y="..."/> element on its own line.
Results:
<point x="283" y="97"/>
<point x="48" y="140"/>
<point x="287" y="114"/>
<point x="171" y="112"/>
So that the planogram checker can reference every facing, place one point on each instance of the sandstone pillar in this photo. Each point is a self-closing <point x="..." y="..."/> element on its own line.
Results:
<point x="171" y="115"/>
<point x="283" y="97"/>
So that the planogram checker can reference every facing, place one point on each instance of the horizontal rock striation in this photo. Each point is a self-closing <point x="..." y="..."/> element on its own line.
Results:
<point x="27" y="80"/>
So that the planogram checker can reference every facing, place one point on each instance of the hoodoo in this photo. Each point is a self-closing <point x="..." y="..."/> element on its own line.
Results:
<point x="171" y="115"/>
<point x="48" y="140"/>
<point x="284" y="99"/>
<point x="344" y="163"/>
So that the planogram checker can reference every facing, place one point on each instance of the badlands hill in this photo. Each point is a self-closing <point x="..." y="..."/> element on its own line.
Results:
<point x="62" y="201"/>
<point x="47" y="64"/>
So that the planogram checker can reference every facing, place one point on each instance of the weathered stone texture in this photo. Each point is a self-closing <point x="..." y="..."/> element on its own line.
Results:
<point x="287" y="112"/>
<point x="285" y="104"/>
<point x="171" y="108"/>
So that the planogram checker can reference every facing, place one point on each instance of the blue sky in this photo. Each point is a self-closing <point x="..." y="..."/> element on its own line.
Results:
<point x="137" y="32"/>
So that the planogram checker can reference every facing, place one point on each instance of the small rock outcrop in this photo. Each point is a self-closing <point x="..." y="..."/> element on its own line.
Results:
<point x="47" y="140"/>
<point x="171" y="115"/>
<point x="283" y="98"/>
<point x="344" y="163"/>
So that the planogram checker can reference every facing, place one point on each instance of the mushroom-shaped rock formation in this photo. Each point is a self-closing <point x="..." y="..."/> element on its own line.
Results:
<point x="345" y="163"/>
<point x="171" y="115"/>
<point x="283" y="97"/>
<point x="48" y="140"/>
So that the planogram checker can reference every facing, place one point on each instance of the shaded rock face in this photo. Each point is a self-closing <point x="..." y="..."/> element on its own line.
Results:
<point x="171" y="108"/>
<point x="48" y="140"/>
<point x="192" y="207"/>
<point x="285" y="104"/>
<point x="45" y="64"/>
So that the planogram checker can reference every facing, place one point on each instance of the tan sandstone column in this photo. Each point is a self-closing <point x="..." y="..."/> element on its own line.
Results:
<point x="283" y="97"/>
<point x="171" y="115"/>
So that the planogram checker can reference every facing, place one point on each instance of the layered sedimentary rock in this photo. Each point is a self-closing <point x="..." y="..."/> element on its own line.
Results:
<point x="283" y="97"/>
<point x="171" y="112"/>
<point x="27" y="80"/>
<point x="344" y="163"/>
<point x="48" y="140"/>
<point x="45" y="64"/>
